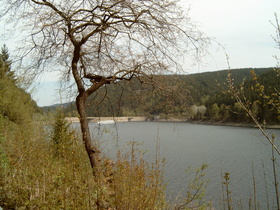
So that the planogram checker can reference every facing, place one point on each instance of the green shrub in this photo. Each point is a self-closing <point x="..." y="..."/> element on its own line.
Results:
<point x="61" y="135"/>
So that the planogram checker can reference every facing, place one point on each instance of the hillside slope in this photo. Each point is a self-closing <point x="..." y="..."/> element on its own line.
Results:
<point x="178" y="97"/>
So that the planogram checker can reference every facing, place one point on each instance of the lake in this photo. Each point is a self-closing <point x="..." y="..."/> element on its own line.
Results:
<point x="223" y="148"/>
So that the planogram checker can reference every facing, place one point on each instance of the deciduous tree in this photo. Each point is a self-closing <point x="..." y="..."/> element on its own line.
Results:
<point x="99" y="42"/>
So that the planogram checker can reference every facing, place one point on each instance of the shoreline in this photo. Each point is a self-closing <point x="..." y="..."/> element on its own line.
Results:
<point x="233" y="124"/>
<point x="147" y="119"/>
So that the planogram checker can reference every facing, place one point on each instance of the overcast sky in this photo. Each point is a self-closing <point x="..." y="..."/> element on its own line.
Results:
<point x="242" y="27"/>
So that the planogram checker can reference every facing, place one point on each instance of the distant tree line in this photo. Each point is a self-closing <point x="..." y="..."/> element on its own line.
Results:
<point x="200" y="96"/>
<point x="260" y="92"/>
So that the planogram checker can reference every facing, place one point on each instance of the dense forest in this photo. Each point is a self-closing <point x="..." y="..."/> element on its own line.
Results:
<point x="202" y="96"/>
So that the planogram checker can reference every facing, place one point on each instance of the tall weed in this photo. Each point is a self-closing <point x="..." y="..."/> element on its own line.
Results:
<point x="32" y="177"/>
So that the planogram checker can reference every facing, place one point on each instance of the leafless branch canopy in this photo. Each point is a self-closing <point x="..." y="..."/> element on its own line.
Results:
<point x="97" y="42"/>
<point x="107" y="40"/>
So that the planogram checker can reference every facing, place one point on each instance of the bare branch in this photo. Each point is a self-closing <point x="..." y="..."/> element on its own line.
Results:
<point x="99" y="42"/>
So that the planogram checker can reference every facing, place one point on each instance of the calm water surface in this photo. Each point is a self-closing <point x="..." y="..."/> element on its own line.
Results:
<point x="223" y="148"/>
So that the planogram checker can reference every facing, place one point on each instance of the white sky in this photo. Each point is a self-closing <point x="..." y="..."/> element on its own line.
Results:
<point x="242" y="27"/>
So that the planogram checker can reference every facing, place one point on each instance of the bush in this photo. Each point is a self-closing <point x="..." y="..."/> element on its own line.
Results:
<point x="61" y="135"/>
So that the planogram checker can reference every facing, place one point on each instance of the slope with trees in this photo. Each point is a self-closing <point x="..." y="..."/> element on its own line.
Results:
<point x="15" y="103"/>
<point x="230" y="110"/>
<point x="188" y="93"/>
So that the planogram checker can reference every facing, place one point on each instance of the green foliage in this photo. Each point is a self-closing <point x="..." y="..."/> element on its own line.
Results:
<point x="224" y="112"/>
<point x="263" y="92"/>
<point x="214" y="112"/>
<point x="5" y="65"/>
<point x="259" y="93"/>
<point x="61" y="135"/>
<point x="15" y="103"/>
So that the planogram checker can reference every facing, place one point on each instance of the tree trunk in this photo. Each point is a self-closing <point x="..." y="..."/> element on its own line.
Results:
<point x="92" y="151"/>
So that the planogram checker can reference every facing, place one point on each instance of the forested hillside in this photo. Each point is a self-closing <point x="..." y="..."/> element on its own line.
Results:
<point x="200" y="96"/>
<point x="15" y="103"/>
<point x="260" y="92"/>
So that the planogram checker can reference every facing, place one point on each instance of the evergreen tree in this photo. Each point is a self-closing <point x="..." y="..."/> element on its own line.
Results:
<point x="15" y="104"/>
<point x="61" y="136"/>
<point x="5" y="65"/>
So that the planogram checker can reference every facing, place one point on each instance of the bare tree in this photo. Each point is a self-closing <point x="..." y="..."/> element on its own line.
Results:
<point x="99" y="42"/>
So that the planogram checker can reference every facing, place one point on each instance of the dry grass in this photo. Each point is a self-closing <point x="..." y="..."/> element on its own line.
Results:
<point x="36" y="179"/>
<point x="32" y="177"/>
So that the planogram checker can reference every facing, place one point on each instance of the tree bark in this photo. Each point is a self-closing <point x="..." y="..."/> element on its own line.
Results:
<point x="92" y="151"/>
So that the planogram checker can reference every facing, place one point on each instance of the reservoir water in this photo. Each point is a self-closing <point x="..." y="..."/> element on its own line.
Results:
<point x="223" y="148"/>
